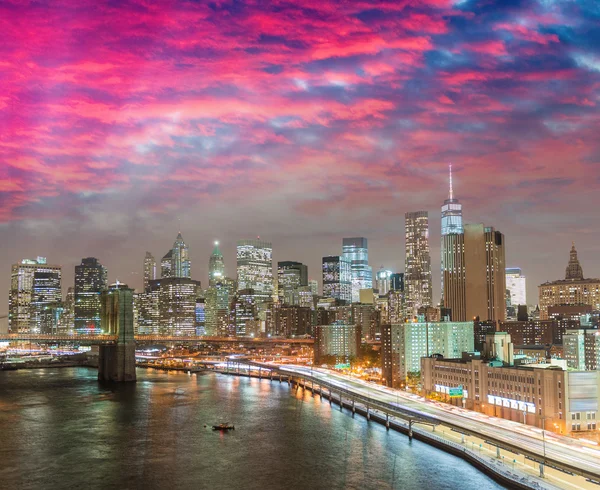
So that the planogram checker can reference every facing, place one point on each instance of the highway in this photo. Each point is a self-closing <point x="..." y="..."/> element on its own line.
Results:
<point x="558" y="448"/>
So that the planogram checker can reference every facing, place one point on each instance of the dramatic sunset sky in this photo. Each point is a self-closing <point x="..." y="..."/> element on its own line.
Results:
<point x="300" y="121"/>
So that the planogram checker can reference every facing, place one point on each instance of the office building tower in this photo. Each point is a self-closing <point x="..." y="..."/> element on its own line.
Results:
<point x="417" y="273"/>
<point x="452" y="224"/>
<point x="47" y="291"/>
<point x="200" y="316"/>
<point x="356" y="251"/>
<point x="216" y="266"/>
<point x="255" y="266"/>
<point x="166" y="265"/>
<point x="181" y="266"/>
<point x="337" y="278"/>
<point x="148" y="312"/>
<point x="149" y="270"/>
<point x="67" y="318"/>
<point x="176" y="303"/>
<point x="305" y="297"/>
<point x="516" y="285"/>
<point x="90" y="281"/>
<point x="452" y="220"/>
<point x="573" y="290"/>
<point x="337" y="343"/>
<point x="290" y="277"/>
<point x="218" y="299"/>
<point x="383" y="280"/>
<point x="395" y="306"/>
<point x="397" y="281"/>
<point x="34" y="285"/>
<point x="474" y="274"/>
<point x="404" y="344"/>
<point x="50" y="319"/>
<point x="313" y="284"/>
<point x="245" y="311"/>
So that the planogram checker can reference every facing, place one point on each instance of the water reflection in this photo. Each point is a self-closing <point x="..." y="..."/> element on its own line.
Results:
<point x="62" y="430"/>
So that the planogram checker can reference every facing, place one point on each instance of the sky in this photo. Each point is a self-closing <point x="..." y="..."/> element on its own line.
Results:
<point x="123" y="122"/>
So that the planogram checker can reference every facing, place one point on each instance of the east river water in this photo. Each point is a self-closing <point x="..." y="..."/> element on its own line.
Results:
<point x="60" y="429"/>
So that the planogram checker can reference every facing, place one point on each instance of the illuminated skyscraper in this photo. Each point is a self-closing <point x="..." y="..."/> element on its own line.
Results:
<point x="337" y="278"/>
<point x="149" y="270"/>
<point x="166" y="265"/>
<point x="34" y="285"/>
<point x="313" y="284"/>
<point x="384" y="280"/>
<point x="475" y="275"/>
<point x="290" y="277"/>
<point x="516" y="284"/>
<point x="180" y="259"/>
<point x="356" y="251"/>
<point x="217" y="308"/>
<point x="216" y="266"/>
<point x="255" y="266"/>
<point x="452" y="224"/>
<point x="417" y="274"/>
<point x="177" y="297"/>
<point x="90" y="281"/>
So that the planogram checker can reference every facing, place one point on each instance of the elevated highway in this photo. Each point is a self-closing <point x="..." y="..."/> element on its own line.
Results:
<point x="547" y="449"/>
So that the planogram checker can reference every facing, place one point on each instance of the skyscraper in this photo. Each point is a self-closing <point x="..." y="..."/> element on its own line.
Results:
<point x="337" y="278"/>
<point x="290" y="277"/>
<point x="356" y="251"/>
<point x="255" y="266"/>
<point x="180" y="259"/>
<point x="474" y="274"/>
<point x="516" y="284"/>
<point x="384" y="280"/>
<point x="34" y="285"/>
<point x="216" y="266"/>
<point x="397" y="281"/>
<point x="417" y="274"/>
<point x="149" y="270"/>
<point x="166" y="265"/>
<point x="452" y="224"/>
<point x="177" y="297"/>
<point x="217" y="309"/>
<point x="90" y="281"/>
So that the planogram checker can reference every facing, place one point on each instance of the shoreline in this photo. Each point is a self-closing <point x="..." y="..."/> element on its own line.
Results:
<point x="496" y="472"/>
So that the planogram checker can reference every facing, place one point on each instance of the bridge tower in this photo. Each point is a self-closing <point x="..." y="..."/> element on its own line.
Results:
<point x="116" y="362"/>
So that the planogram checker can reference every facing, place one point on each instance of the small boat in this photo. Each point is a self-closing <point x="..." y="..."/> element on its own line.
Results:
<point x="223" y="427"/>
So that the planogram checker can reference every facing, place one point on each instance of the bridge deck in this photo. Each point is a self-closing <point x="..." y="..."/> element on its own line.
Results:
<point x="108" y="339"/>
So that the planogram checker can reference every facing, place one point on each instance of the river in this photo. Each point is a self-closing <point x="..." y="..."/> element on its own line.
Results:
<point x="60" y="429"/>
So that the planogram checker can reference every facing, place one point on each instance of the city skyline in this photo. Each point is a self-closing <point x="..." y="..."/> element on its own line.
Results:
<point x="107" y="152"/>
<point x="314" y="272"/>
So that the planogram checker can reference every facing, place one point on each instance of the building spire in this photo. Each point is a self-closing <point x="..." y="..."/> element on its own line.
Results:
<point x="574" y="271"/>
<point x="451" y="190"/>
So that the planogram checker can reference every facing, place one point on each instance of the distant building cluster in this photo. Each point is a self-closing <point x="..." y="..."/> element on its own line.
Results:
<point x="483" y="335"/>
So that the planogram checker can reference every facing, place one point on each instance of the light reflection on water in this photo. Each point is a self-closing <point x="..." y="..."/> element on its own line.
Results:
<point x="61" y="430"/>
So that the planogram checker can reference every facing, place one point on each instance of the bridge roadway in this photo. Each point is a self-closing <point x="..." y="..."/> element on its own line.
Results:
<point x="564" y="453"/>
<point x="111" y="339"/>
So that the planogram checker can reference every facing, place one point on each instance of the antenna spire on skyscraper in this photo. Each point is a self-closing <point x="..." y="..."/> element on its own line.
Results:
<point x="451" y="190"/>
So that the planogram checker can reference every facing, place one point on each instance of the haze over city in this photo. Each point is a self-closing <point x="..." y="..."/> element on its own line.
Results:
<point x="301" y="122"/>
